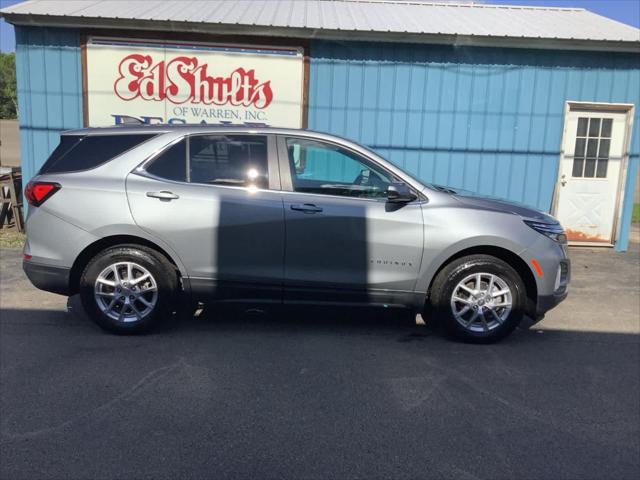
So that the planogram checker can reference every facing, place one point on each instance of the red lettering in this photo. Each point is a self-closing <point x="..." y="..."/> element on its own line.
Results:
<point x="183" y="80"/>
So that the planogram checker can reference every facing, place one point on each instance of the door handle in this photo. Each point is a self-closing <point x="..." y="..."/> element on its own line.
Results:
<point x="306" y="208"/>
<point x="163" y="195"/>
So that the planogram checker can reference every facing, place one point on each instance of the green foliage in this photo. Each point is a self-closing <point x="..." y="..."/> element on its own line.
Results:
<point x="8" y="89"/>
<point x="636" y="213"/>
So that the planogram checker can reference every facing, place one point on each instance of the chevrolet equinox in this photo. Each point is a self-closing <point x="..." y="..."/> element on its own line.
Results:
<point x="136" y="219"/>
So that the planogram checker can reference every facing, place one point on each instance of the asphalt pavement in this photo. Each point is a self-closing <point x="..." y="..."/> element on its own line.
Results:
<point x="324" y="393"/>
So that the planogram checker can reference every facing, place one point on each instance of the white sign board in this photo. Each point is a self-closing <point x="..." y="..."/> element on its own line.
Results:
<point x="173" y="82"/>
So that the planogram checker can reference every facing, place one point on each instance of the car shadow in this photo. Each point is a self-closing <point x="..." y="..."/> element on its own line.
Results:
<point x="394" y="324"/>
<point x="397" y="325"/>
<point x="310" y="320"/>
<point x="237" y="318"/>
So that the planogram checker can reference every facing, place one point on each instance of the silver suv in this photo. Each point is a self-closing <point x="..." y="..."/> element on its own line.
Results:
<point x="137" y="219"/>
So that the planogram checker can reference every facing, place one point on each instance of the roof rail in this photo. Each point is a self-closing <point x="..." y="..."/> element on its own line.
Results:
<point x="127" y="120"/>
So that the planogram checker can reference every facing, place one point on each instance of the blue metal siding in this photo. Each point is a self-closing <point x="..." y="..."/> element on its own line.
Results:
<point x="483" y="119"/>
<point x="49" y="91"/>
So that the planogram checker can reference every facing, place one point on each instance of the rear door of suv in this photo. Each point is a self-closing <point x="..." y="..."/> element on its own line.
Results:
<point x="215" y="199"/>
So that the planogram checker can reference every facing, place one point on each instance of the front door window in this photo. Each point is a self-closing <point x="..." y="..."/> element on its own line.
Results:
<point x="327" y="169"/>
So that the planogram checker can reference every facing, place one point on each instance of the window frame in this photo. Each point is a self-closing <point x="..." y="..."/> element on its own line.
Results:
<point x="587" y="138"/>
<point x="286" y="174"/>
<point x="272" y="161"/>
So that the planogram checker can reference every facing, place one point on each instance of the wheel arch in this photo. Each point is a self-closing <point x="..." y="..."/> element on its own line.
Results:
<point x="96" y="247"/>
<point x="515" y="261"/>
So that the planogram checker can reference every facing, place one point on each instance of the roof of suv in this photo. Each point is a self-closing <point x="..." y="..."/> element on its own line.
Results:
<point x="187" y="128"/>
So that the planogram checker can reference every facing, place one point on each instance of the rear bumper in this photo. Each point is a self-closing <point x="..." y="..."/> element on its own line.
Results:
<point x="48" y="278"/>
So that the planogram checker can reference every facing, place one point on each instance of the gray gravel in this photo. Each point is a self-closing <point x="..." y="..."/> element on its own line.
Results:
<point x="323" y="394"/>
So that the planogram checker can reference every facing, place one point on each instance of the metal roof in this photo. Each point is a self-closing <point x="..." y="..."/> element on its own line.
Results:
<point x="343" y="19"/>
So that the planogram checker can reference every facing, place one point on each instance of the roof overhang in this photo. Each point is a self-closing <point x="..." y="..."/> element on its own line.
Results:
<point x="324" y="34"/>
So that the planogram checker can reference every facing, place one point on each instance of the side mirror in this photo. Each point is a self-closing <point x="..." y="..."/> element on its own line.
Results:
<point x="400" y="193"/>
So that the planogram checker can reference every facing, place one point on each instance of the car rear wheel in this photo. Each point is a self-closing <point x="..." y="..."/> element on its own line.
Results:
<point x="478" y="298"/>
<point x="128" y="289"/>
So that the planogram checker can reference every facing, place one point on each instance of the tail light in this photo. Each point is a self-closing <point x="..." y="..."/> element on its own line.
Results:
<point x="37" y="193"/>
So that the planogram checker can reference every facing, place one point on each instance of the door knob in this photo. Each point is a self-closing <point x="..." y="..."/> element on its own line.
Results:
<point x="306" y="208"/>
<point x="163" y="195"/>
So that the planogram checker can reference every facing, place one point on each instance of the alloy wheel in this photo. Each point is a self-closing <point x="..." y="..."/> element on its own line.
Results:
<point x="481" y="302"/>
<point x="126" y="292"/>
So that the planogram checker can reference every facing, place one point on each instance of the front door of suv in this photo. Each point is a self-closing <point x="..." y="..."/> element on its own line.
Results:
<point x="215" y="200"/>
<point x="344" y="240"/>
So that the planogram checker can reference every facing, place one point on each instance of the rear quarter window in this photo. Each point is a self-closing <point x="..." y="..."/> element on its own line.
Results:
<point x="171" y="164"/>
<point x="76" y="152"/>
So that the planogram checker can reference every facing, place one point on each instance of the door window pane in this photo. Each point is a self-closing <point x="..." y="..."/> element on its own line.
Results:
<point x="324" y="168"/>
<point x="604" y="148"/>
<point x="601" y="171"/>
<point x="594" y="127"/>
<point x="582" y="126"/>
<point x="234" y="160"/>
<point x="603" y="158"/>
<point x="171" y="164"/>
<point x="606" y="127"/>
<point x="590" y="167"/>
<point x="578" y="165"/>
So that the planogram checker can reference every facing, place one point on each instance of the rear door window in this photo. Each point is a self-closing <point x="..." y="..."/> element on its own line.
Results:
<point x="231" y="160"/>
<point x="76" y="152"/>
<point x="234" y="160"/>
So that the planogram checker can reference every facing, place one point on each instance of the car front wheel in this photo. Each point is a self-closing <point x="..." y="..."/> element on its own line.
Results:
<point x="478" y="298"/>
<point x="128" y="289"/>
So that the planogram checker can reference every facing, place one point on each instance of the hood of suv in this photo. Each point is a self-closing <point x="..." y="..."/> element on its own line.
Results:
<point x="474" y="200"/>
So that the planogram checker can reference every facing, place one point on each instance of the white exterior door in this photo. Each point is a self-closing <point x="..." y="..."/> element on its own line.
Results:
<point x="589" y="182"/>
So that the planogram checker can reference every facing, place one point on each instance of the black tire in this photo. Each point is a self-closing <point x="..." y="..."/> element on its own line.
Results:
<point x="163" y="273"/>
<point x="451" y="275"/>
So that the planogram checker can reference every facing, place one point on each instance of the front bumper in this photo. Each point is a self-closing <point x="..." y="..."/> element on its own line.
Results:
<point x="547" y="301"/>
<point x="48" y="278"/>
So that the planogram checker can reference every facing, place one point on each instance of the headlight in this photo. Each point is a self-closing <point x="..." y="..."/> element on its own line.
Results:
<point x="552" y="230"/>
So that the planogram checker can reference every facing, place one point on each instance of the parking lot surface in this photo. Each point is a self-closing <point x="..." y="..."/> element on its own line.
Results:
<point x="324" y="393"/>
